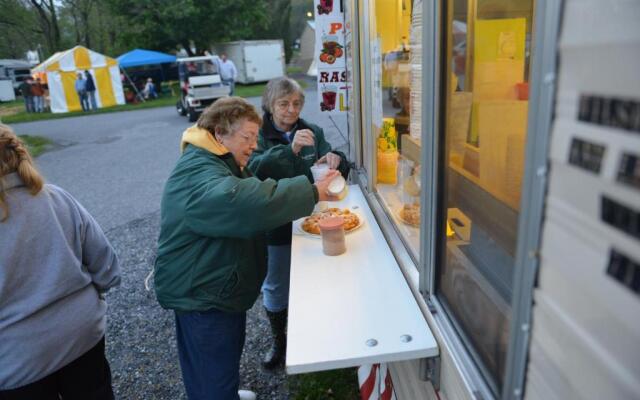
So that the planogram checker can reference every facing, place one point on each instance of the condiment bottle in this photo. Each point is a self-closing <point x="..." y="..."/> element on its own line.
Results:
<point x="332" y="231"/>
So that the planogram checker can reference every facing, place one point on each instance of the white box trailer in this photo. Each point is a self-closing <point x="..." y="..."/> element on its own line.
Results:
<point x="6" y="90"/>
<point x="15" y="70"/>
<point x="256" y="60"/>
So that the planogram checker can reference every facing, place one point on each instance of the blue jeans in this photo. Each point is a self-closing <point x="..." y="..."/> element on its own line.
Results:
<point x="210" y="344"/>
<point x="92" y="100"/>
<point x="232" y="85"/>
<point x="82" y="96"/>
<point x="28" y="104"/>
<point x="275" y="288"/>
<point x="38" y="103"/>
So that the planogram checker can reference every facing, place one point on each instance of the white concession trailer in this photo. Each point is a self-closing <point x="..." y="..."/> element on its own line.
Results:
<point x="256" y="60"/>
<point x="497" y="167"/>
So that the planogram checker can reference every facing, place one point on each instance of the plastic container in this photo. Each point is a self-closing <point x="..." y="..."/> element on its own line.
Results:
<point x="333" y="240"/>
<point x="523" y="90"/>
<point x="319" y="171"/>
<point x="338" y="187"/>
<point x="388" y="167"/>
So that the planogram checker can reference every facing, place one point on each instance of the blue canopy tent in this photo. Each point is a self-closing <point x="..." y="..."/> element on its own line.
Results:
<point x="141" y="57"/>
<point x="138" y="57"/>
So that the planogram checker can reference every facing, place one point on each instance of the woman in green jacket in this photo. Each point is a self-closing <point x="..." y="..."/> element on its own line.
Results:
<point x="211" y="256"/>
<point x="287" y="147"/>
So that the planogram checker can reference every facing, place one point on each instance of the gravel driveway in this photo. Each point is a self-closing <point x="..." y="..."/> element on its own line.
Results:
<point x="141" y="336"/>
<point x="116" y="165"/>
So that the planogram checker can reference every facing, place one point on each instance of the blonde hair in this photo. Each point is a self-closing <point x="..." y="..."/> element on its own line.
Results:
<point x="225" y="113"/>
<point x="14" y="157"/>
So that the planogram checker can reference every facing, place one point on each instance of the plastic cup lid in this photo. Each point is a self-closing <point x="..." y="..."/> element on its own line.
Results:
<point x="331" y="223"/>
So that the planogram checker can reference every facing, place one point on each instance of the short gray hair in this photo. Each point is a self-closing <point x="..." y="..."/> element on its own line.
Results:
<point x="278" y="88"/>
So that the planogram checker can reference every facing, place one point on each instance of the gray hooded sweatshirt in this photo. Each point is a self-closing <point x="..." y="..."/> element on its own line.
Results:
<point x="55" y="262"/>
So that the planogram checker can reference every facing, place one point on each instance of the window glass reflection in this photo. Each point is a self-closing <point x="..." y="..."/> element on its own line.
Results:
<point x="396" y="73"/>
<point x="487" y="58"/>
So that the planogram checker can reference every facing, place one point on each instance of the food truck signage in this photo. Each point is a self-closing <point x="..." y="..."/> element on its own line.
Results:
<point x="330" y="56"/>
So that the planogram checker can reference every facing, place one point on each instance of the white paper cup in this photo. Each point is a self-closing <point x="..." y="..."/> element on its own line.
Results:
<point x="319" y="171"/>
<point x="337" y="185"/>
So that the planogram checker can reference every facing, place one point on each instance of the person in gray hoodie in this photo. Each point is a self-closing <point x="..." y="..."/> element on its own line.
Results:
<point x="55" y="266"/>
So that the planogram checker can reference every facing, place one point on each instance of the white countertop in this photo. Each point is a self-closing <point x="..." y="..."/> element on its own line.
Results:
<point x="338" y="304"/>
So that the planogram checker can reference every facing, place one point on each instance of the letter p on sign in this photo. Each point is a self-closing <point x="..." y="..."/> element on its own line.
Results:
<point x="336" y="26"/>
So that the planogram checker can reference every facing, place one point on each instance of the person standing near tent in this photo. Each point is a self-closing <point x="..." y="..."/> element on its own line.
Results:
<point x="228" y="72"/>
<point x="90" y="87"/>
<point x="37" y="91"/>
<point x="25" y="91"/>
<point x="81" y="89"/>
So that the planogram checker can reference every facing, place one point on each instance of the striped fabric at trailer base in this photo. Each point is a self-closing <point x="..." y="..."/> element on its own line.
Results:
<point x="375" y="382"/>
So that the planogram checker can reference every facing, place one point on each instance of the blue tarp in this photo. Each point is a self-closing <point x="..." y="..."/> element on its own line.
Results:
<point x="138" y="57"/>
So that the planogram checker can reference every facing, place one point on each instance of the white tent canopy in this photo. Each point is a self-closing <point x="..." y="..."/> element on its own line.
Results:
<point x="62" y="68"/>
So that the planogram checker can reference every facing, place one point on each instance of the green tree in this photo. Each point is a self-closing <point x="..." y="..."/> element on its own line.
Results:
<point x="18" y="29"/>
<point x="162" y="24"/>
<point x="286" y="21"/>
<point x="46" y="13"/>
<point x="80" y="12"/>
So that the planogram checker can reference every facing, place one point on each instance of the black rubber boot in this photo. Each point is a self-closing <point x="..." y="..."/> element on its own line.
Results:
<point x="277" y="353"/>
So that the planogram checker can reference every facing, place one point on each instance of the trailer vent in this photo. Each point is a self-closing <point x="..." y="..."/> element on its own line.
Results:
<point x="629" y="171"/>
<point x="586" y="155"/>
<point x="620" y="216"/>
<point x="624" y="270"/>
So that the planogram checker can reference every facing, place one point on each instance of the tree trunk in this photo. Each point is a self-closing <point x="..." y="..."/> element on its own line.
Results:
<point x="48" y="18"/>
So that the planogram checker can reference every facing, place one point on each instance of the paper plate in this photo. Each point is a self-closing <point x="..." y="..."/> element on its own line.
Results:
<point x="404" y="221"/>
<point x="297" y="226"/>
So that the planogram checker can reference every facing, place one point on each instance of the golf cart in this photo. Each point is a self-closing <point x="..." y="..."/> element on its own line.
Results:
<point x="200" y="85"/>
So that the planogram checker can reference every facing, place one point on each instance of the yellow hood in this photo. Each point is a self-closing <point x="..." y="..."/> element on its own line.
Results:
<point x="202" y="138"/>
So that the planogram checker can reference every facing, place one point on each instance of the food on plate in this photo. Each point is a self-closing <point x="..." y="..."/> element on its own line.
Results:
<point x="351" y="220"/>
<point x="410" y="214"/>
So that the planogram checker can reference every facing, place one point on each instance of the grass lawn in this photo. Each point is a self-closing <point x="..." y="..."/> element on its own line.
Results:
<point x="13" y="112"/>
<point x="23" y="116"/>
<point x="36" y="144"/>
<point x="294" y="69"/>
<point x="341" y="384"/>
<point x="11" y="107"/>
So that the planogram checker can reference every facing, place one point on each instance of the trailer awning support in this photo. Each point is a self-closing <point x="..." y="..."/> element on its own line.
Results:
<point x="430" y="371"/>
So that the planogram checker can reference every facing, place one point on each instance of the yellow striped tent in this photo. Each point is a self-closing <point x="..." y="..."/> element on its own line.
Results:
<point x="62" y="68"/>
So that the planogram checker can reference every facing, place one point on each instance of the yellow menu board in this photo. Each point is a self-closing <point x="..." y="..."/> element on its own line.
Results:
<point x="498" y="58"/>
<point x="498" y="62"/>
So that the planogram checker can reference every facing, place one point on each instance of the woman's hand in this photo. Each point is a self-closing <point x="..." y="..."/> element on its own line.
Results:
<point x="323" y="185"/>
<point x="303" y="137"/>
<point x="332" y="160"/>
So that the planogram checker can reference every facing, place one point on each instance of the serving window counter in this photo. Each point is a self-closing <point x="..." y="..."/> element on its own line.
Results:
<point x="438" y="121"/>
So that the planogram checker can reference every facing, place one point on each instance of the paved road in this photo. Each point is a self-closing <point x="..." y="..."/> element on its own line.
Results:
<point x="116" y="164"/>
